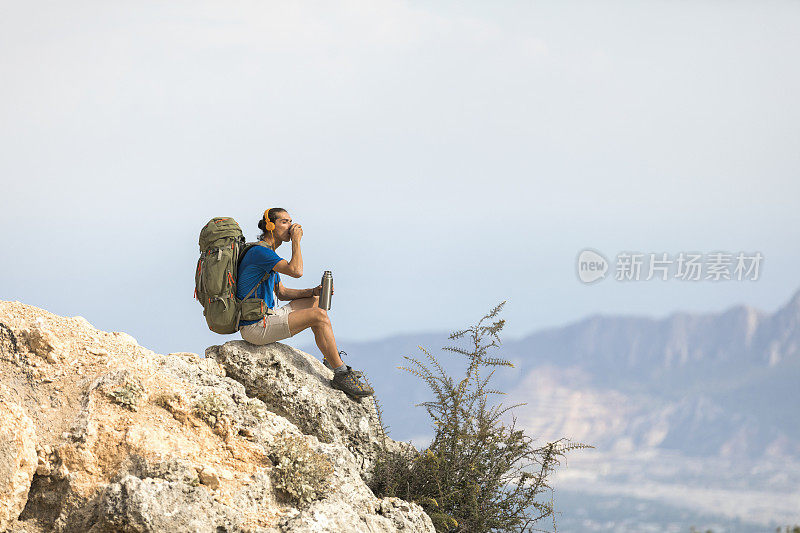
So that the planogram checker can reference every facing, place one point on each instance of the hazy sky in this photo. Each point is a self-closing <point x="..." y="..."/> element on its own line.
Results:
<point x="441" y="156"/>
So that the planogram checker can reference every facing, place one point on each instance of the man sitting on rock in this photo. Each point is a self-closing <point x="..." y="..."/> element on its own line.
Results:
<point x="302" y="311"/>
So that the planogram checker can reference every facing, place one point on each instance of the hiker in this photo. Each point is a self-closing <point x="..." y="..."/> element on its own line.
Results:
<point x="303" y="309"/>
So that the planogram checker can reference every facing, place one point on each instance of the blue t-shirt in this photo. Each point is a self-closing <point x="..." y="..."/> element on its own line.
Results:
<point x="256" y="262"/>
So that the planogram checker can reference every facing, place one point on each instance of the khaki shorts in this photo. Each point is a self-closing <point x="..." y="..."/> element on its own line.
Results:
<point x="271" y="328"/>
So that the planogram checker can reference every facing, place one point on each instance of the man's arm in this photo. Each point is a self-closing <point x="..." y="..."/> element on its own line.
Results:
<point x="293" y="268"/>
<point x="285" y="293"/>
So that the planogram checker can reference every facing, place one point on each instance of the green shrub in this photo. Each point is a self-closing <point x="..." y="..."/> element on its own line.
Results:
<point x="299" y="471"/>
<point x="477" y="475"/>
<point x="129" y="394"/>
<point x="211" y="409"/>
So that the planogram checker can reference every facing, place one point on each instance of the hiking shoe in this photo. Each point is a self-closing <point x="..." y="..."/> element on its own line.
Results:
<point x="350" y="383"/>
<point x="330" y="367"/>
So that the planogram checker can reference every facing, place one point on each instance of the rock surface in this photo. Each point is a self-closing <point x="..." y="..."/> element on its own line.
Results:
<point x="17" y="458"/>
<point x="107" y="436"/>
<point x="295" y="386"/>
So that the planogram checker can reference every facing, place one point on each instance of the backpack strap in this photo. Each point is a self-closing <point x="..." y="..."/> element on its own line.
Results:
<point x="239" y="314"/>
<point x="263" y="278"/>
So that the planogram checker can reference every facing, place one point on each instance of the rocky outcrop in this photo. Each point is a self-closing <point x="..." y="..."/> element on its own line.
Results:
<point x="106" y="436"/>
<point x="17" y="458"/>
<point x="295" y="386"/>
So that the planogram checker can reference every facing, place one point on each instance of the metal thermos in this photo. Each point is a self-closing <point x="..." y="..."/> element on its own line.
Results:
<point x="327" y="291"/>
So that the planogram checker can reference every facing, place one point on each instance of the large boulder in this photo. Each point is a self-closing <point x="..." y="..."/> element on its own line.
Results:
<point x="296" y="386"/>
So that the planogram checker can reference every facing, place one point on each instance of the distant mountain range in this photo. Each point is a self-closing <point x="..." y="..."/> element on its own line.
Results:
<point x="703" y="384"/>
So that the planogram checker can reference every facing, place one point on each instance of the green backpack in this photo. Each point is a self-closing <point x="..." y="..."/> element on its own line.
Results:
<point x="222" y="247"/>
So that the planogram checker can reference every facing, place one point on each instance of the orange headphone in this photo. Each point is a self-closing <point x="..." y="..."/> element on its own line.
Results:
<point x="268" y="224"/>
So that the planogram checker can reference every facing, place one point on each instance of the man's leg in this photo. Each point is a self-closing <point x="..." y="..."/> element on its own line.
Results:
<point x="304" y="315"/>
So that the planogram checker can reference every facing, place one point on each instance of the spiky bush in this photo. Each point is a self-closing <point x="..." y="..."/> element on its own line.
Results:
<point x="478" y="474"/>
<point x="298" y="470"/>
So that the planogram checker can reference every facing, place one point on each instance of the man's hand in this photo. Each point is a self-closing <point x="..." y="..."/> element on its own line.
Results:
<point x="296" y="232"/>
<point x="316" y="291"/>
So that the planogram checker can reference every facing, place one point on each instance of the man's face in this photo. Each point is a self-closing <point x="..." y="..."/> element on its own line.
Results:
<point x="282" y="225"/>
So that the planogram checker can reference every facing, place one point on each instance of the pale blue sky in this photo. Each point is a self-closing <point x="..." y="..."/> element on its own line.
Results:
<point x="441" y="156"/>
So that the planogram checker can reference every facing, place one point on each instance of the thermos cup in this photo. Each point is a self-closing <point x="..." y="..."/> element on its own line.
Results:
<point x="327" y="291"/>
